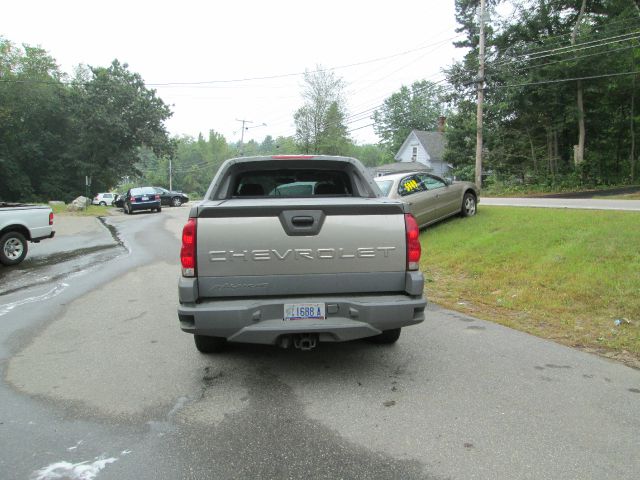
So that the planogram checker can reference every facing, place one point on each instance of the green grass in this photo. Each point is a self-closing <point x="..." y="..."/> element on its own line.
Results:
<point x="91" y="211"/>
<point x="566" y="275"/>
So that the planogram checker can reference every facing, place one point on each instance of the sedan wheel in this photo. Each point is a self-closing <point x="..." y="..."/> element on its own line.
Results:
<point x="468" y="205"/>
<point x="13" y="248"/>
<point x="103" y="204"/>
<point x="176" y="201"/>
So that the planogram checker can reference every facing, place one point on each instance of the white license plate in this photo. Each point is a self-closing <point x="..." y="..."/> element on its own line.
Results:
<point x="304" y="311"/>
<point x="144" y="199"/>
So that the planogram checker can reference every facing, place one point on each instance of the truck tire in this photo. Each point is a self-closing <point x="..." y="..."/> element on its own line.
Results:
<point x="13" y="248"/>
<point x="387" y="337"/>
<point x="206" y="344"/>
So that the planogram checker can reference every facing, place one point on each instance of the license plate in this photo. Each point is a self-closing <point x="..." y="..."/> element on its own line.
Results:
<point x="304" y="311"/>
<point x="144" y="199"/>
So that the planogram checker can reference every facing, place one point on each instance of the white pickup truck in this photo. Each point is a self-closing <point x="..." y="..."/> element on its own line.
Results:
<point x="19" y="224"/>
<point x="296" y="250"/>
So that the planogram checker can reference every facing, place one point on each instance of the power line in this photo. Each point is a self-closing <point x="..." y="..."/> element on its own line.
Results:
<point x="296" y="74"/>
<point x="593" y="33"/>
<point x="561" y="80"/>
<point x="576" y="58"/>
<point x="572" y="48"/>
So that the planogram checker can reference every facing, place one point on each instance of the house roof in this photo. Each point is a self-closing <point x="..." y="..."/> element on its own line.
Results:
<point x="402" y="167"/>
<point x="432" y="142"/>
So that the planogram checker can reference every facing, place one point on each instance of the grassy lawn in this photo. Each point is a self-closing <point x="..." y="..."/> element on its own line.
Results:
<point x="91" y="211"/>
<point x="566" y="275"/>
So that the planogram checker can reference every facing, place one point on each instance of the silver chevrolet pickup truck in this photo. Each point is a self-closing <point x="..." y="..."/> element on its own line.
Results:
<point x="296" y="250"/>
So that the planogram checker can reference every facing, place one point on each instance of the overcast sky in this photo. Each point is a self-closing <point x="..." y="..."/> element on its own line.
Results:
<point x="221" y="42"/>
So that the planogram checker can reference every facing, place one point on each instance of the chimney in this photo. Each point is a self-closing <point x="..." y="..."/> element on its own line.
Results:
<point x="441" y="121"/>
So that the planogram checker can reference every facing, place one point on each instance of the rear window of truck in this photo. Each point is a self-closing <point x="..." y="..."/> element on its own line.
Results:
<point x="292" y="183"/>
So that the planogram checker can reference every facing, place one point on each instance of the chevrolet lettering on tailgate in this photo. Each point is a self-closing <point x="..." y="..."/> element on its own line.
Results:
<point x="299" y="254"/>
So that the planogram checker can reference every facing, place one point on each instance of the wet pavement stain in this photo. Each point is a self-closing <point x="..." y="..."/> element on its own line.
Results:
<point x="551" y="365"/>
<point x="271" y="438"/>
<point x="634" y="390"/>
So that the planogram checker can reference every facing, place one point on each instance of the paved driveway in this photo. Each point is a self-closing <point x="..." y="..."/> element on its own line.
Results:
<point x="580" y="203"/>
<point x="97" y="377"/>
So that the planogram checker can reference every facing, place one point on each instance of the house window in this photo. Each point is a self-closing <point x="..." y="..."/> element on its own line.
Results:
<point x="414" y="154"/>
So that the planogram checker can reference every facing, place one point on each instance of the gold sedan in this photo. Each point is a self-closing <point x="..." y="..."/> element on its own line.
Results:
<point x="430" y="198"/>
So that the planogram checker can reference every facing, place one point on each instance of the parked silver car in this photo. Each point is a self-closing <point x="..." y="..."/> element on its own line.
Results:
<point x="430" y="198"/>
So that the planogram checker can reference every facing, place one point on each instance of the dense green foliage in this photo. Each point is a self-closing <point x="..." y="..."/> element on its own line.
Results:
<point x="532" y="105"/>
<point x="54" y="133"/>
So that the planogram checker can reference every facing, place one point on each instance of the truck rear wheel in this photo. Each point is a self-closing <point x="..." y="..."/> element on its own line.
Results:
<point x="13" y="248"/>
<point x="206" y="344"/>
<point x="387" y="337"/>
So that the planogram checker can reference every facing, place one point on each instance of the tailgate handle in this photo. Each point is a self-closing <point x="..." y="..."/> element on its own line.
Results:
<point x="300" y="221"/>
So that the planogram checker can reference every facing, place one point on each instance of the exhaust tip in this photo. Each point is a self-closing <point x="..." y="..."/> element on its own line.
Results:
<point x="305" y="341"/>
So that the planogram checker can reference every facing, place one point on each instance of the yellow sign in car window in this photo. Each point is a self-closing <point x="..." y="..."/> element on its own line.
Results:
<point x="410" y="186"/>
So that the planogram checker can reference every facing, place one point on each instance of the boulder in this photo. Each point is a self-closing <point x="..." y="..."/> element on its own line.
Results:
<point x="78" y="204"/>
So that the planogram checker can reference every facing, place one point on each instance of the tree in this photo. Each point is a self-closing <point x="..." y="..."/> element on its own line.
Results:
<point x="114" y="114"/>
<point x="534" y="113"/>
<point x="34" y="124"/>
<point x="333" y="139"/>
<point x="320" y="121"/>
<point x="414" y="108"/>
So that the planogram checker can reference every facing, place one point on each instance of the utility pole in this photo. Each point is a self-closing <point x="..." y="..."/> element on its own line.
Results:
<point x="242" y="135"/>
<point x="480" y="100"/>
<point x="170" y="175"/>
<point x="247" y="128"/>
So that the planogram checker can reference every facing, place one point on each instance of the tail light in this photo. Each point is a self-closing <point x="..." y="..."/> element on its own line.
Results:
<point x="157" y="197"/>
<point x="50" y="218"/>
<point x="132" y="199"/>
<point x="414" y="250"/>
<point x="188" y="250"/>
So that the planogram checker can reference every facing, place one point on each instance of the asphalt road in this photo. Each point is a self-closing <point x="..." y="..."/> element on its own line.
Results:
<point x="99" y="382"/>
<point x="572" y="203"/>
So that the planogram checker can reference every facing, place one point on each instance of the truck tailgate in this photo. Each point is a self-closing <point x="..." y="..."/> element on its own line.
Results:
<point x="249" y="247"/>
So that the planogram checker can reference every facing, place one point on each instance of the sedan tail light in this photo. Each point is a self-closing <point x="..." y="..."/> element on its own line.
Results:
<point x="414" y="250"/>
<point x="188" y="250"/>
<point x="132" y="199"/>
<point x="157" y="197"/>
<point x="51" y="218"/>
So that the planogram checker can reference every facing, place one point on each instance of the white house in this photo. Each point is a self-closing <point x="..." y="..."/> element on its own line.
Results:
<point x="426" y="149"/>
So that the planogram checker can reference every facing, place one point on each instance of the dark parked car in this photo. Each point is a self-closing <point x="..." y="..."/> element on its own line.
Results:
<point x="118" y="201"/>
<point x="141" y="198"/>
<point x="171" y="198"/>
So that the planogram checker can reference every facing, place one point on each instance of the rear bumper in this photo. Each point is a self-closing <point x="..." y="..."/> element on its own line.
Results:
<point x="50" y="235"/>
<point x="145" y="205"/>
<point x="261" y="320"/>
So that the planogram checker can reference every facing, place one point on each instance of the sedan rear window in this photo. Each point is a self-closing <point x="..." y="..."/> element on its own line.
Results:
<point x="143" y="191"/>
<point x="385" y="186"/>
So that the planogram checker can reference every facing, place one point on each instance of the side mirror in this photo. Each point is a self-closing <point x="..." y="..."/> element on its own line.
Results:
<point x="449" y="180"/>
